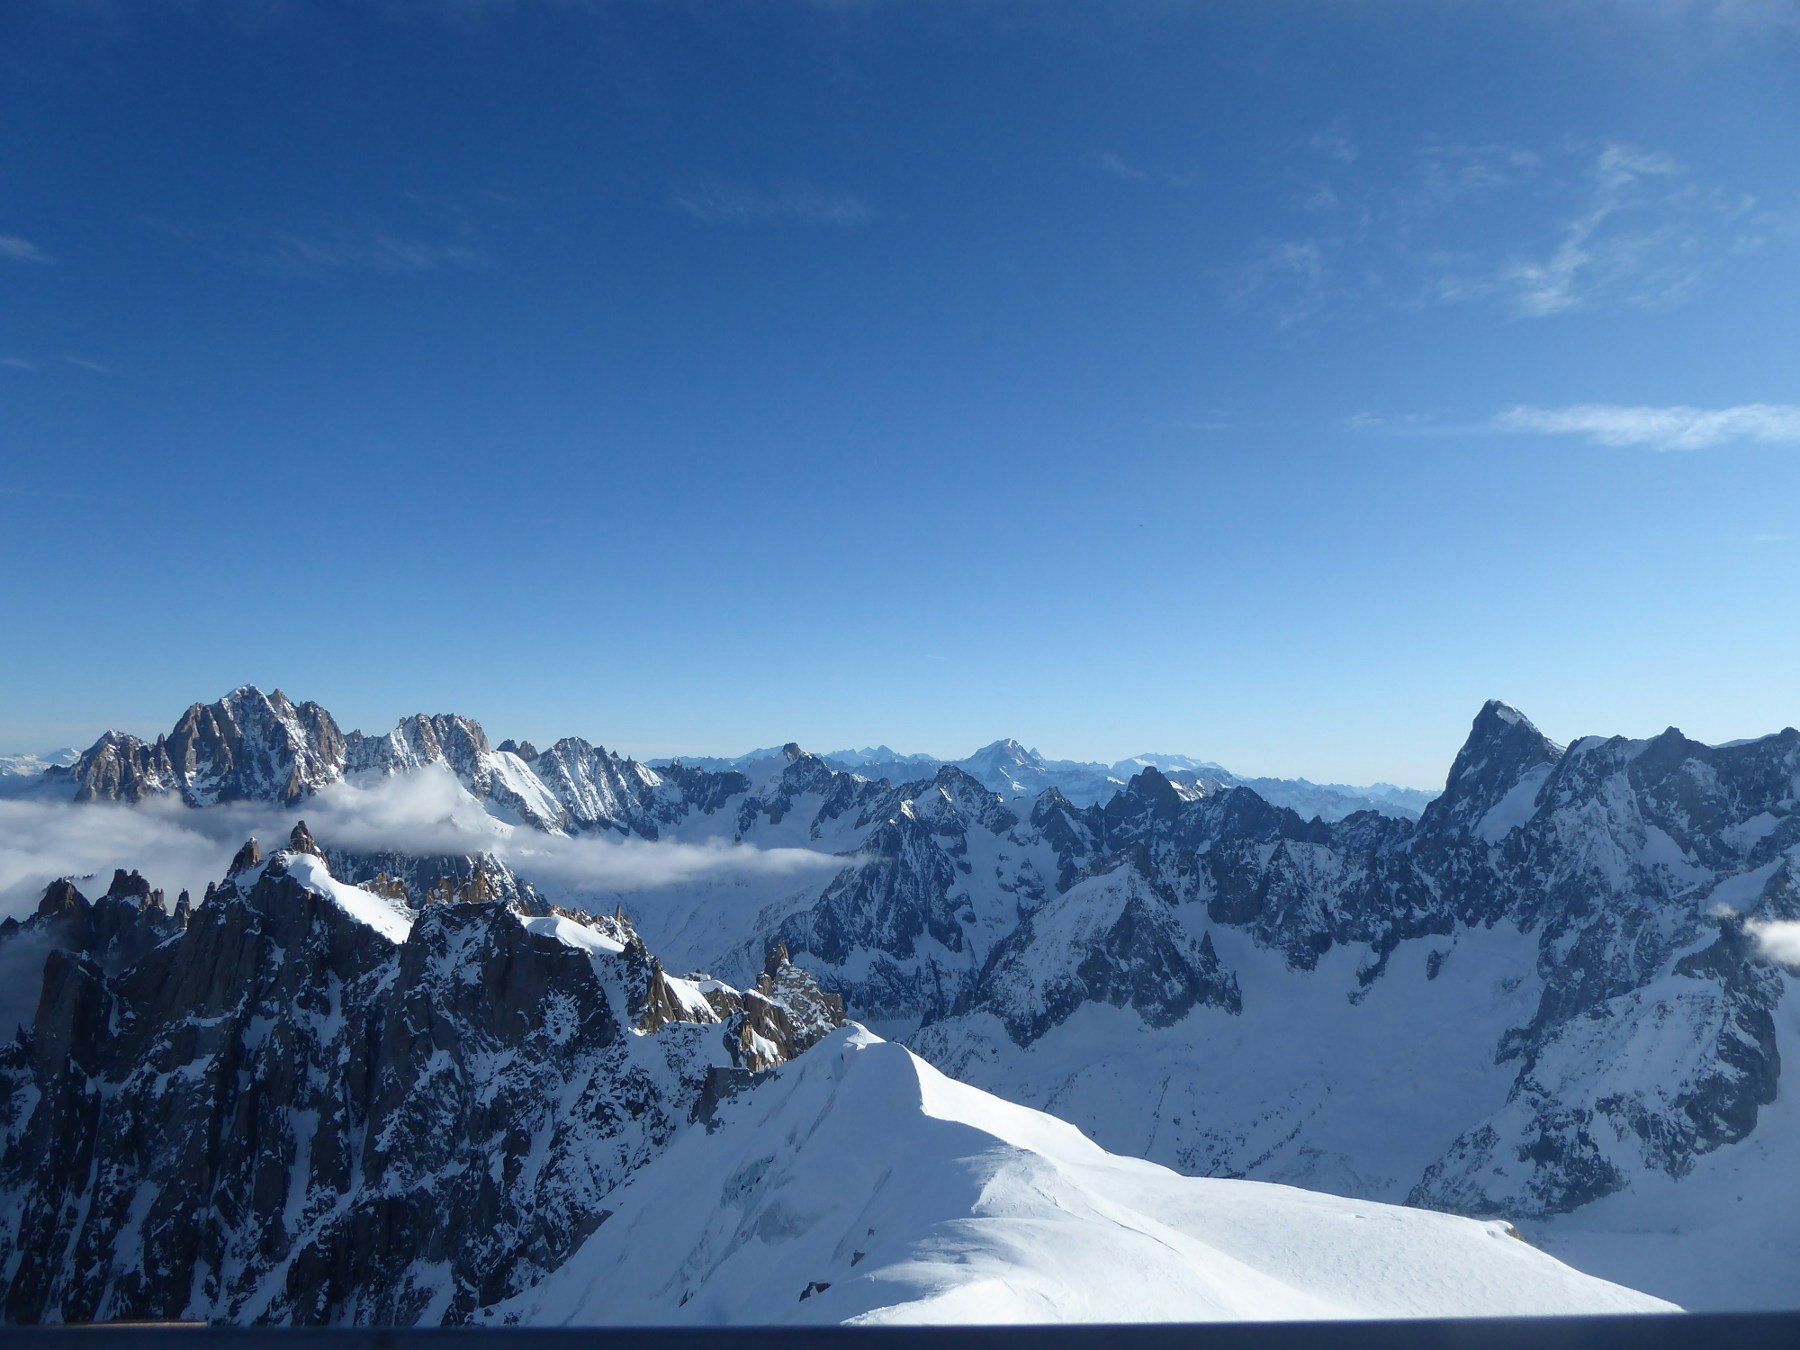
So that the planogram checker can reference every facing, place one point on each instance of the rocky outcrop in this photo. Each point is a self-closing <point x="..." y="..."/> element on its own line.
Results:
<point x="422" y="879"/>
<point x="120" y="927"/>
<point x="314" y="1104"/>
<point x="1114" y="938"/>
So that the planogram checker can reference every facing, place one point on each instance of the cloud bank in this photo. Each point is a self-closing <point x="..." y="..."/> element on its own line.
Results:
<point x="1778" y="940"/>
<point x="425" y="813"/>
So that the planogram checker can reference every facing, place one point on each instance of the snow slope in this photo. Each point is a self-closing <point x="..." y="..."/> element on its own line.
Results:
<point x="1320" y="1083"/>
<point x="1722" y="1238"/>
<point x="858" y="1184"/>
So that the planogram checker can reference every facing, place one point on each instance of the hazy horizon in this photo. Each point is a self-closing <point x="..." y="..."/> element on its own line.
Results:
<point x="498" y="732"/>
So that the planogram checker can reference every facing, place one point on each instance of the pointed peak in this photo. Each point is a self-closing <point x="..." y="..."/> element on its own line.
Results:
<point x="1498" y="720"/>
<point x="959" y="780"/>
<point x="1504" y="751"/>
<point x="127" y="885"/>
<point x="246" y="857"/>
<point x="61" y="897"/>
<point x="1148" y="789"/>
<point x="1496" y="711"/>
<point x="1006" y="751"/>
<point x="252" y="696"/>
<point x="1150" y="781"/>
<point x="792" y="752"/>
<point x="777" y="957"/>
<point x="300" y="840"/>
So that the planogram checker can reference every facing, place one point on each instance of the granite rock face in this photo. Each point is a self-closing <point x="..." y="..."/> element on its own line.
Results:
<point x="248" y="746"/>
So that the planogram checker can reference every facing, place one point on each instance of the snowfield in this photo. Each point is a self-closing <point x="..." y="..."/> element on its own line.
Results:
<point x="859" y="1185"/>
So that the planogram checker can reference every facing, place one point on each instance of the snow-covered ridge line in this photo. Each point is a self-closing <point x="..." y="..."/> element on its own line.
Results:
<point x="859" y="1185"/>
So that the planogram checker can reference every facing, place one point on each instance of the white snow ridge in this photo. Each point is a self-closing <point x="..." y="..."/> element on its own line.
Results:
<point x="860" y="1185"/>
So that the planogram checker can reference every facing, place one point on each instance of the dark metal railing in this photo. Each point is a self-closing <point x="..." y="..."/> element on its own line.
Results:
<point x="1738" y="1331"/>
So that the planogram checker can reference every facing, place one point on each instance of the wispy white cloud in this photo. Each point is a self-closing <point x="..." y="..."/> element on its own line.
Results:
<point x="346" y="250"/>
<point x="1588" y="259"/>
<point x="17" y="363"/>
<point x="1334" y="143"/>
<point x="1320" y="197"/>
<point x="1537" y="233"/>
<point x="1112" y="162"/>
<point x="1211" y="419"/>
<point x="439" y="238"/>
<point x="1115" y="165"/>
<point x="1289" y="279"/>
<point x="1370" y="421"/>
<point x="1667" y="428"/>
<point x="1453" y="171"/>
<point x="15" y="249"/>
<point x="800" y="204"/>
<point x="83" y="363"/>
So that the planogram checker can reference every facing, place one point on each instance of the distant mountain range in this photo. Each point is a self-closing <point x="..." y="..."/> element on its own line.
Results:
<point x="30" y="766"/>
<point x="1008" y="768"/>
<point x="1552" y="997"/>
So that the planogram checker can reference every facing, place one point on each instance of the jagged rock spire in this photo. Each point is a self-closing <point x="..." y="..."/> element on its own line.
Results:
<point x="126" y="885"/>
<point x="61" y="897"/>
<point x="300" y="840"/>
<point x="1502" y="749"/>
<point x="247" y="857"/>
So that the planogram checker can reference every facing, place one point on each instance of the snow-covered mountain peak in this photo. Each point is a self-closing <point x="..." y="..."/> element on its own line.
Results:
<point x="1006" y="766"/>
<point x="1493" y="783"/>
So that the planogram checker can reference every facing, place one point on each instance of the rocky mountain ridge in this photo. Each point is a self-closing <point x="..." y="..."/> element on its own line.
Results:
<point x="302" y="1101"/>
<point x="251" y="746"/>
<point x="1568" y="914"/>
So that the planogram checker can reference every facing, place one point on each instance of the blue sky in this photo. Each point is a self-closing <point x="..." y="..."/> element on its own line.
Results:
<point x="1269" y="382"/>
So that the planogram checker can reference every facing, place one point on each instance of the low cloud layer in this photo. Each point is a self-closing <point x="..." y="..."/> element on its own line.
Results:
<point x="1669" y="428"/>
<point x="426" y="813"/>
